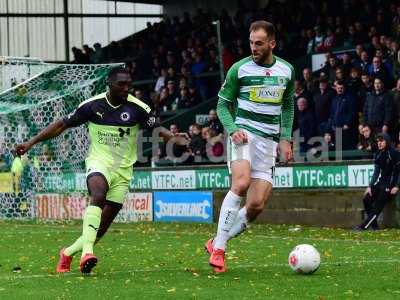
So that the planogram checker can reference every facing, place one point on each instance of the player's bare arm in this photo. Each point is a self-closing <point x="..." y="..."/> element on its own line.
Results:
<point x="51" y="131"/>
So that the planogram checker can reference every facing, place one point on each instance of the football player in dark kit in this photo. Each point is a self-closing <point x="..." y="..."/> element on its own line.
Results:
<point x="384" y="183"/>
<point x="114" y="119"/>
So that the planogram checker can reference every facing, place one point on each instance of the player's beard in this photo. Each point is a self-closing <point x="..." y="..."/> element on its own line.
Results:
<point x="262" y="57"/>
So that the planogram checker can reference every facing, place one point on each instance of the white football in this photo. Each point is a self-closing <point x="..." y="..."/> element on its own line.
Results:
<point x="304" y="259"/>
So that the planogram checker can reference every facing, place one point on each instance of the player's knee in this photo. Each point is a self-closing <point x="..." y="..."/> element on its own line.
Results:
<point x="98" y="199"/>
<point x="241" y="185"/>
<point x="254" y="209"/>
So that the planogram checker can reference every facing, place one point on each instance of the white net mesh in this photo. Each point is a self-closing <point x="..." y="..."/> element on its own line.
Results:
<point x="34" y="94"/>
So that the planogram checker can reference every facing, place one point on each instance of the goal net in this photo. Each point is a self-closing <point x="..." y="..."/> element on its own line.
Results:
<point x="33" y="94"/>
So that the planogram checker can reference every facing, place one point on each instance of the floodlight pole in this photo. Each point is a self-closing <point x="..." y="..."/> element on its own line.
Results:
<point x="221" y="64"/>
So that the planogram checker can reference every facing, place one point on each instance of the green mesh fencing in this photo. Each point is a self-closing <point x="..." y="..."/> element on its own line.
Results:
<point x="29" y="104"/>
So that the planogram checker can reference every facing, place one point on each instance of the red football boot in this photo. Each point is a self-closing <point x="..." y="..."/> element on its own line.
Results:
<point x="64" y="263"/>
<point x="217" y="260"/>
<point x="88" y="262"/>
<point x="208" y="246"/>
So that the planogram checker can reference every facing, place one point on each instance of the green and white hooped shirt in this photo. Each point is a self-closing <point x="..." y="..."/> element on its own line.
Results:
<point x="262" y="96"/>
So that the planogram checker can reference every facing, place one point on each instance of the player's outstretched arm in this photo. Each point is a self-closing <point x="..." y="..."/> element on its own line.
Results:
<point x="51" y="131"/>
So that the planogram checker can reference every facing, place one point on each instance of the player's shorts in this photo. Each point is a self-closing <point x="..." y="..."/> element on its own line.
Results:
<point x="117" y="179"/>
<point x="259" y="151"/>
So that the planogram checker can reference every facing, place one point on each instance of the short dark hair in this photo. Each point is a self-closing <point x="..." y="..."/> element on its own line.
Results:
<point x="118" y="70"/>
<point x="341" y="82"/>
<point x="268" y="27"/>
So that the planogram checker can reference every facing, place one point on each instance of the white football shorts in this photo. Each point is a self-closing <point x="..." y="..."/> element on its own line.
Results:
<point x="259" y="152"/>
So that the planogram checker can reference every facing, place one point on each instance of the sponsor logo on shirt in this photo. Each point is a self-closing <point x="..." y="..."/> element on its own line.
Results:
<point x="125" y="116"/>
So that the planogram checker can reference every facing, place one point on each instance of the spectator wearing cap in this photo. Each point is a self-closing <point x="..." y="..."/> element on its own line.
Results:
<point x="322" y="104"/>
<point x="378" y="108"/>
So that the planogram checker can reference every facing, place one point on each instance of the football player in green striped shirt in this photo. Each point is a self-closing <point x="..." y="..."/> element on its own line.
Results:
<point x="114" y="119"/>
<point x="260" y="90"/>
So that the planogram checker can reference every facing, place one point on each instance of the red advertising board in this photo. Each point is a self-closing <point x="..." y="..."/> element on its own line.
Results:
<point x="61" y="206"/>
<point x="137" y="207"/>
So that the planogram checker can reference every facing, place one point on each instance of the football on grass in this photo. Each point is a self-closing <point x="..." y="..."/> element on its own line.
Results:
<point x="304" y="259"/>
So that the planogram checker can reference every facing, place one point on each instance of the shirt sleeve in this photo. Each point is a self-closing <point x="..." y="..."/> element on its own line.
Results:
<point x="225" y="116"/>
<point x="288" y="110"/>
<point x="230" y="88"/>
<point x="149" y="120"/>
<point x="78" y="117"/>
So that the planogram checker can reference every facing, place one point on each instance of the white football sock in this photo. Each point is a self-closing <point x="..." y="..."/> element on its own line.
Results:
<point x="240" y="223"/>
<point x="229" y="210"/>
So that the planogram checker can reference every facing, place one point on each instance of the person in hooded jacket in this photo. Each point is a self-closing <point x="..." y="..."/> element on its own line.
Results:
<point x="384" y="183"/>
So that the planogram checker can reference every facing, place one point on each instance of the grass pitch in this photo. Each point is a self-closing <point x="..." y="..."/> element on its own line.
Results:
<point x="167" y="261"/>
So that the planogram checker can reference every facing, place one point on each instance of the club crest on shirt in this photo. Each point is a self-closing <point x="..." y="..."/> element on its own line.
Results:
<point x="268" y="73"/>
<point x="125" y="116"/>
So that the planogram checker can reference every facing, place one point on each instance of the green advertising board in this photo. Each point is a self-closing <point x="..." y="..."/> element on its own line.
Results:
<point x="337" y="176"/>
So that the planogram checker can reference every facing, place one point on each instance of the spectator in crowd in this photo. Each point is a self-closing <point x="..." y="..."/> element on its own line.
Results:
<point x="363" y="62"/>
<point x="173" y="95"/>
<point x="79" y="57"/>
<point x="342" y="116"/>
<point x="395" y="95"/>
<point x="346" y="63"/>
<point x="306" y="123"/>
<point x="322" y="104"/>
<point x="176" y="151"/>
<point x="378" y="70"/>
<point x="215" y="144"/>
<point x="171" y="76"/>
<point x="328" y="139"/>
<point x="367" y="85"/>
<point x="197" y="145"/>
<point x="88" y="53"/>
<point x="162" y="100"/>
<point x="318" y="40"/>
<point x="161" y="80"/>
<point x="198" y="67"/>
<point x="367" y="139"/>
<point x="330" y="67"/>
<point x="378" y="108"/>
<point x="214" y="122"/>
<point x="340" y="74"/>
<point x="98" y="54"/>
<point x="184" y="99"/>
<point x="384" y="183"/>
<point x="311" y="41"/>
<point x="309" y="82"/>
<point x="330" y="40"/>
